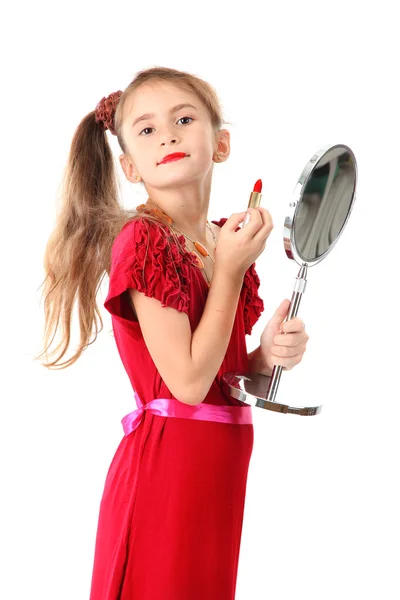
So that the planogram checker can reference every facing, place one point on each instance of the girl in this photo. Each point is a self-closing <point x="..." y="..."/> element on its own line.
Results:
<point x="183" y="293"/>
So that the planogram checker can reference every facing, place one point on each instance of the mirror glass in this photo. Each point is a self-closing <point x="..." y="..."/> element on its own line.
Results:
<point x="325" y="204"/>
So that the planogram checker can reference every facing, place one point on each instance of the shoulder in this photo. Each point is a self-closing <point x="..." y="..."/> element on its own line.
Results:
<point x="137" y="228"/>
<point x="144" y="258"/>
<point x="137" y="235"/>
<point x="150" y="248"/>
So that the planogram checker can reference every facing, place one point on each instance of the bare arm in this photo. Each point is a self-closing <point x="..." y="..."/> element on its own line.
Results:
<point x="211" y="337"/>
<point x="188" y="363"/>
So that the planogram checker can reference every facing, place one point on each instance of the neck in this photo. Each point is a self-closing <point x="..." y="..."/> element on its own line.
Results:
<point x="190" y="221"/>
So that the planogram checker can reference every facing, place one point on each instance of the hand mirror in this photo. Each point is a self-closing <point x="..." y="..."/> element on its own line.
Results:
<point x="316" y="217"/>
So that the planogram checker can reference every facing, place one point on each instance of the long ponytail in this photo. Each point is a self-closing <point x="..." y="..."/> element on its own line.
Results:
<point x="78" y="252"/>
<point x="90" y="216"/>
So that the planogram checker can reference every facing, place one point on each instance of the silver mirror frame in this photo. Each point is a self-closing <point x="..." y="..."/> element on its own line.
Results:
<point x="288" y="227"/>
<point x="260" y="390"/>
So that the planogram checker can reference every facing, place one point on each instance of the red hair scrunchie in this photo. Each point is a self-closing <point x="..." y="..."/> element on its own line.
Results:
<point x="105" y="111"/>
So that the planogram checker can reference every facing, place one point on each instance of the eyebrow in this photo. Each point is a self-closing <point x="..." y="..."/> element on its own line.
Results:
<point x="172" y="110"/>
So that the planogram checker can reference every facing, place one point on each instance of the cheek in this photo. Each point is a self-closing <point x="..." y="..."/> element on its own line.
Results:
<point x="204" y="151"/>
<point x="146" y="156"/>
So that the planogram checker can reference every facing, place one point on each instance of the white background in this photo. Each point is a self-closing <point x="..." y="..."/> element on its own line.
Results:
<point x="321" y="517"/>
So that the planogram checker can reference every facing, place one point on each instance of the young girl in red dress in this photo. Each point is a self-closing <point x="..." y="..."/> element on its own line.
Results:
<point x="183" y="293"/>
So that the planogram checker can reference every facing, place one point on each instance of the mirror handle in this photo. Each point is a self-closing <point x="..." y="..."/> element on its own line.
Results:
<point x="298" y="291"/>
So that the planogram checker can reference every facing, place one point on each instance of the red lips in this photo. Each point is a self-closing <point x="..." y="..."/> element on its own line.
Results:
<point x="174" y="156"/>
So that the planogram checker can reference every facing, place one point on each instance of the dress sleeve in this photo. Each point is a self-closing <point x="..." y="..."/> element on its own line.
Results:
<point x="253" y="304"/>
<point x="144" y="258"/>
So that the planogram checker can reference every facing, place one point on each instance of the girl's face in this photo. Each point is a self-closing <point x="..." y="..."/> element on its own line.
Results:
<point x="153" y="127"/>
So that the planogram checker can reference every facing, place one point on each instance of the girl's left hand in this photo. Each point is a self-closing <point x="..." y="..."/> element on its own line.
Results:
<point x="285" y="349"/>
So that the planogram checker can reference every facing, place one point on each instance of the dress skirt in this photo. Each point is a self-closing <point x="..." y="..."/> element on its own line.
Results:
<point x="171" y="513"/>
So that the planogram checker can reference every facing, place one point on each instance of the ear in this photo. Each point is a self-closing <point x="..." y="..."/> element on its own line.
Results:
<point x="129" y="168"/>
<point x="223" y="146"/>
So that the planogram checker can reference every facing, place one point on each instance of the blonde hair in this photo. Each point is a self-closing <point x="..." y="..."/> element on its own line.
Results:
<point x="90" y="216"/>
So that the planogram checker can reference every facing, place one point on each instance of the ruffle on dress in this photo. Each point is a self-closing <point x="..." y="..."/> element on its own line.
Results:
<point x="253" y="304"/>
<point x="143" y="258"/>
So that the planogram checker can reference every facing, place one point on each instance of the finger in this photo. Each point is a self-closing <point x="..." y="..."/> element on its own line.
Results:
<point x="234" y="220"/>
<point x="255" y="215"/>
<point x="295" y="324"/>
<point x="291" y="339"/>
<point x="252" y="217"/>
<point x="286" y="363"/>
<point x="267" y="223"/>
<point x="288" y="351"/>
<point x="253" y="212"/>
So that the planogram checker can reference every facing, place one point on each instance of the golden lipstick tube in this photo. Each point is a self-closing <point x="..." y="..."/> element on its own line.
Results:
<point x="255" y="199"/>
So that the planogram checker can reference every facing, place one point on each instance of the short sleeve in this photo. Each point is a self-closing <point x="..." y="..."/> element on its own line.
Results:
<point x="144" y="257"/>
<point x="253" y="304"/>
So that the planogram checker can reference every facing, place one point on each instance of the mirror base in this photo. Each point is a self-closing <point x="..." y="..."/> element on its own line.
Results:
<point x="252" y="388"/>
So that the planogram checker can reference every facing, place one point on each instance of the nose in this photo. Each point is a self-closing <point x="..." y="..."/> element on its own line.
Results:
<point x="168" y="140"/>
<point x="167" y="136"/>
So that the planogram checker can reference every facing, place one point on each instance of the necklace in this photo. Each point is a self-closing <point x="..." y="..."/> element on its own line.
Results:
<point x="199" y="247"/>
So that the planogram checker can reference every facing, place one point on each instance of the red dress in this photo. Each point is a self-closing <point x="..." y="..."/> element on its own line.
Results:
<point x="170" y="517"/>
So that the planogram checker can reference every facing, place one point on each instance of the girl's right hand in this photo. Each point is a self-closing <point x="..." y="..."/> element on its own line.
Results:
<point x="236" y="251"/>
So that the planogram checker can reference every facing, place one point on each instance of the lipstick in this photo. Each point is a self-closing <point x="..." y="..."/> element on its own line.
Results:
<point x="255" y="199"/>
<point x="171" y="157"/>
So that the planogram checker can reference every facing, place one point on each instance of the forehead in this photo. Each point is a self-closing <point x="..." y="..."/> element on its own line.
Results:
<point x="158" y="97"/>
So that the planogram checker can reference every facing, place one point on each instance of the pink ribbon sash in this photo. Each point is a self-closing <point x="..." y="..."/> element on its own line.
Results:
<point x="169" y="407"/>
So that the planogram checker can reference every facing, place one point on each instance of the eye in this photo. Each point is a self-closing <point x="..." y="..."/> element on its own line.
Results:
<point x="146" y="128"/>
<point x="185" y="118"/>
